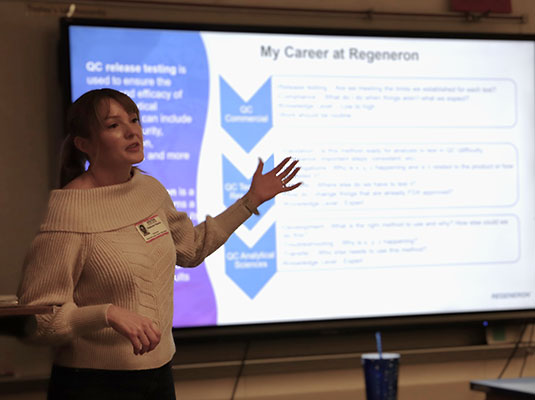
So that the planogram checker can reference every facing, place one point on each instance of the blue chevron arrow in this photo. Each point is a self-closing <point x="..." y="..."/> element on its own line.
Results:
<point x="251" y="268"/>
<point x="235" y="185"/>
<point x="247" y="122"/>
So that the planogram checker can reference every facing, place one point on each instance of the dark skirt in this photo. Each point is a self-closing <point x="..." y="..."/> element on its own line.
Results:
<point x="84" y="384"/>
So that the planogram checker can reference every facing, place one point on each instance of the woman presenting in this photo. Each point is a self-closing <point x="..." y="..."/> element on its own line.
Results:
<point x="106" y="252"/>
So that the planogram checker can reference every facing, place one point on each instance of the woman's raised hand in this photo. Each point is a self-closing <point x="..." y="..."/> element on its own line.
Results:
<point x="266" y="186"/>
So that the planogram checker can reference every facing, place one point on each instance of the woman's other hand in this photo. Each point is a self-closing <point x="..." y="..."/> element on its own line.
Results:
<point x="141" y="331"/>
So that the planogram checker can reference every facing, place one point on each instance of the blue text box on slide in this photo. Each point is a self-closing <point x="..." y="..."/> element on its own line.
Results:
<point x="354" y="243"/>
<point x="327" y="101"/>
<point x="349" y="176"/>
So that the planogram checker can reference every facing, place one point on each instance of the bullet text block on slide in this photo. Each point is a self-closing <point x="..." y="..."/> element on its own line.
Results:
<point x="348" y="176"/>
<point x="398" y="242"/>
<point x="400" y="102"/>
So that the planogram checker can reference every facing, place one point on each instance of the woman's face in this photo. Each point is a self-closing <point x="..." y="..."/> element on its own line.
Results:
<point x="120" y="142"/>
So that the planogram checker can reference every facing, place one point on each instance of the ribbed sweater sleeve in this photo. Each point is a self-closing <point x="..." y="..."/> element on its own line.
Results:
<point x="51" y="271"/>
<point x="195" y="243"/>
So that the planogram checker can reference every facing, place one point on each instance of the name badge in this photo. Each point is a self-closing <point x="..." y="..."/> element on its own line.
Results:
<point x="151" y="228"/>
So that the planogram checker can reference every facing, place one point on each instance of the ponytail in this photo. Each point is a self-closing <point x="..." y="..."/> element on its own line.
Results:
<point x="72" y="161"/>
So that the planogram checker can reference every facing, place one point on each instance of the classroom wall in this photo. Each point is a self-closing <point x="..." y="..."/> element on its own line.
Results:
<point x="31" y="115"/>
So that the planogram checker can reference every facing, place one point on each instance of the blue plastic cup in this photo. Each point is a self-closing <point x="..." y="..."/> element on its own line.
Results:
<point x="381" y="375"/>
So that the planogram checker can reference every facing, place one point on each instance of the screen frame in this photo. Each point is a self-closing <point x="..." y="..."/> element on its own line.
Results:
<point x="305" y="326"/>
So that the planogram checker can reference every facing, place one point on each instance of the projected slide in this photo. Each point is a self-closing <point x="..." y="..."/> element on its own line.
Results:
<point x="417" y="159"/>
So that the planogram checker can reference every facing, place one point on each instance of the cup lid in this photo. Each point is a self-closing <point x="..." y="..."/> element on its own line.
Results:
<point x="385" y="356"/>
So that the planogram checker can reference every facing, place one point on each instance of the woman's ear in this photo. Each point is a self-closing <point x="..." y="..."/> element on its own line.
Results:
<point x="81" y="144"/>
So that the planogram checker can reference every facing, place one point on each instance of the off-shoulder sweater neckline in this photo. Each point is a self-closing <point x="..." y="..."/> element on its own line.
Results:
<point x="104" y="208"/>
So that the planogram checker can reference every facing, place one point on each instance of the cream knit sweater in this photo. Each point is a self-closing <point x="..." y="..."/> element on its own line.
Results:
<point x="88" y="254"/>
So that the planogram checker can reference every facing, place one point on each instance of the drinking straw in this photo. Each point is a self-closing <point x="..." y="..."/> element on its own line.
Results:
<point x="379" y="344"/>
